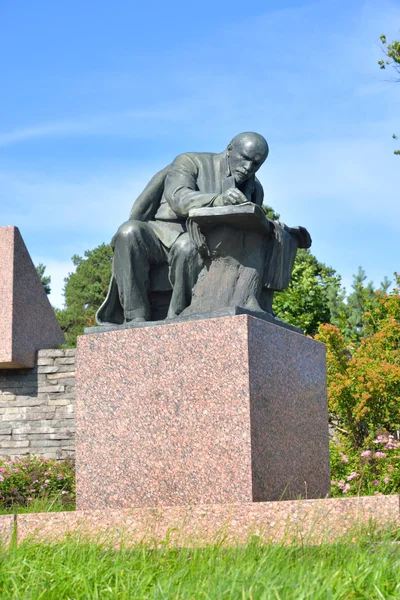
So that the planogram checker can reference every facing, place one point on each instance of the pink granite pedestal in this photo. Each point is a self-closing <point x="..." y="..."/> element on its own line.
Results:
<point x="216" y="411"/>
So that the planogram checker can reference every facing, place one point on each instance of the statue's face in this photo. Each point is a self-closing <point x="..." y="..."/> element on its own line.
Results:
<point x="245" y="158"/>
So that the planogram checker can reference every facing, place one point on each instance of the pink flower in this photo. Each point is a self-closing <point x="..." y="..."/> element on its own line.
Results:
<point x="380" y="439"/>
<point x="391" y="445"/>
<point x="29" y="499"/>
<point x="1" y="478"/>
<point x="333" y="482"/>
<point x="47" y="480"/>
<point x="386" y="480"/>
<point x="344" y="458"/>
<point x="346" y="488"/>
<point x="366" y="453"/>
<point x="3" y="469"/>
<point x="376" y="482"/>
<point x="340" y="484"/>
<point x="16" y="470"/>
<point x="59" y="476"/>
<point x="352" y="475"/>
<point x="64" y="492"/>
<point x="380" y="454"/>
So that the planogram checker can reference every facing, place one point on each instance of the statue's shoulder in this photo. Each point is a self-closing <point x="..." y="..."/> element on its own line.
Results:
<point x="192" y="161"/>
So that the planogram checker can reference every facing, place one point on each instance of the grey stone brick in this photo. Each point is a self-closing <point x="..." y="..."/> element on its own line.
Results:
<point x="66" y="380"/>
<point x="12" y="444"/>
<point x="47" y="389"/>
<point x="45" y="362"/>
<point x="27" y="401"/>
<point x="5" y="429"/>
<point x="65" y="454"/>
<point x="5" y="438"/>
<point x="69" y="423"/>
<point x="65" y="396"/>
<point x="64" y="412"/>
<point x="68" y="360"/>
<point x="69" y="382"/>
<point x="61" y="401"/>
<point x="62" y="436"/>
<point x="51" y="352"/>
<point x="70" y="352"/>
<point x="13" y="417"/>
<point x="45" y="443"/>
<point x="47" y="370"/>
<point x="39" y="417"/>
<point x="7" y="397"/>
<point x="66" y="368"/>
<point x="31" y="410"/>
<point x="43" y="427"/>
<point x="46" y="436"/>
<point x="61" y="375"/>
<point x="12" y="410"/>
<point x="13" y="452"/>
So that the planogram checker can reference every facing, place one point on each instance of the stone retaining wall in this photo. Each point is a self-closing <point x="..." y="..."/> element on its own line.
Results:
<point x="37" y="407"/>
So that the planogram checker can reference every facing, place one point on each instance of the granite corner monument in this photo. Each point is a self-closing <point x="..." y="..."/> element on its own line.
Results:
<point x="27" y="320"/>
<point x="215" y="400"/>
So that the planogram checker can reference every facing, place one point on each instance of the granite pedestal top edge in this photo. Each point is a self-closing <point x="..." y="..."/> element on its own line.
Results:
<point x="225" y="312"/>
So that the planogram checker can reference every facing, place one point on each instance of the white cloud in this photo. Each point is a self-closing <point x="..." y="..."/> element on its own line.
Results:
<point x="128" y="122"/>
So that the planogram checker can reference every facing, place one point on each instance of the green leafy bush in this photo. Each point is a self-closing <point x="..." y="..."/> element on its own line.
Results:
<point x="29" y="479"/>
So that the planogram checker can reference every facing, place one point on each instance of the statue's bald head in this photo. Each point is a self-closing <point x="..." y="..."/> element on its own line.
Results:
<point x="247" y="152"/>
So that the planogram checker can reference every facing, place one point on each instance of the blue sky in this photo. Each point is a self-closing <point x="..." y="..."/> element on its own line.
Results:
<point x="97" y="96"/>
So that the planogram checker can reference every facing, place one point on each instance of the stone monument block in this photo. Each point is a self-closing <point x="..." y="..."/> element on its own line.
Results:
<point x="213" y="411"/>
<point x="27" y="320"/>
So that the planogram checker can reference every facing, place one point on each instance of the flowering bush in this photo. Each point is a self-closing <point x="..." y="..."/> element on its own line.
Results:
<point x="370" y="470"/>
<point x="364" y="381"/>
<point x="31" y="478"/>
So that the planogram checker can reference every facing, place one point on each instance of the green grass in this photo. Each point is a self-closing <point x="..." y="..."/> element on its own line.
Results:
<point x="366" y="567"/>
<point x="38" y="505"/>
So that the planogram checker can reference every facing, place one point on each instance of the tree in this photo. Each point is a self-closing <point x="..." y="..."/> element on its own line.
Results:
<point x="314" y="295"/>
<point x="392" y="53"/>
<point x="355" y="307"/>
<point x="45" y="279"/>
<point x="364" y="380"/>
<point x="84" y="291"/>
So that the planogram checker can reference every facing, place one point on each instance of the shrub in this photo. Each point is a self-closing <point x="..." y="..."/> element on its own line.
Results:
<point x="31" y="478"/>
<point x="364" y="380"/>
<point x="373" y="469"/>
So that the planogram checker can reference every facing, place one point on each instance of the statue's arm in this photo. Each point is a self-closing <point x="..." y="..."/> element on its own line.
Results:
<point x="181" y="190"/>
<point x="147" y="203"/>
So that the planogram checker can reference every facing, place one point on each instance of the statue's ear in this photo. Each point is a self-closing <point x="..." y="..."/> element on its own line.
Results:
<point x="229" y="147"/>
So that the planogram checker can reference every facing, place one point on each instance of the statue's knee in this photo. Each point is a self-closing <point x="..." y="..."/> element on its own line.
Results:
<point x="129" y="230"/>
<point x="184" y="246"/>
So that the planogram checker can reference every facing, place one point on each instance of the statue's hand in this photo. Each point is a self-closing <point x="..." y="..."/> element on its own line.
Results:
<point x="232" y="196"/>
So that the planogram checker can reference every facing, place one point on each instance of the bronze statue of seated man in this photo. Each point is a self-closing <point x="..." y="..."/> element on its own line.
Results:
<point x="156" y="234"/>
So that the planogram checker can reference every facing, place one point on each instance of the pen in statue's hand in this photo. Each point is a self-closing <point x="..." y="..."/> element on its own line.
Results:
<point x="230" y="197"/>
